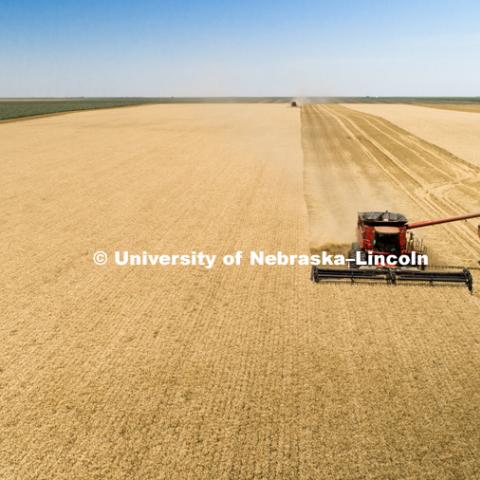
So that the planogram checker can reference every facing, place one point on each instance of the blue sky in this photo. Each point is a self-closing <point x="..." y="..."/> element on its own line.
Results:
<point x="214" y="48"/>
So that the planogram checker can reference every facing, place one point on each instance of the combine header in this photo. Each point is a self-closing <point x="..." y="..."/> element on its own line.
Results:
<point x="382" y="236"/>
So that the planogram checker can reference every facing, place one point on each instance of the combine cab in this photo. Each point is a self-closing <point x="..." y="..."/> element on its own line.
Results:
<point x="384" y="240"/>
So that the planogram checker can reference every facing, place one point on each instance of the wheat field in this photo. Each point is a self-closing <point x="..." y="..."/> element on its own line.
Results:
<point x="111" y="372"/>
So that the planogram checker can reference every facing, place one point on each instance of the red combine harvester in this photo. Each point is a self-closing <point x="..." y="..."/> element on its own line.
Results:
<point x="384" y="240"/>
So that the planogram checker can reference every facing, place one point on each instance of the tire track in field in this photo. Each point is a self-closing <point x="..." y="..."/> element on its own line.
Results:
<point x="423" y="195"/>
<point x="436" y="194"/>
<point x="401" y="162"/>
<point x="335" y="187"/>
<point x="451" y="165"/>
